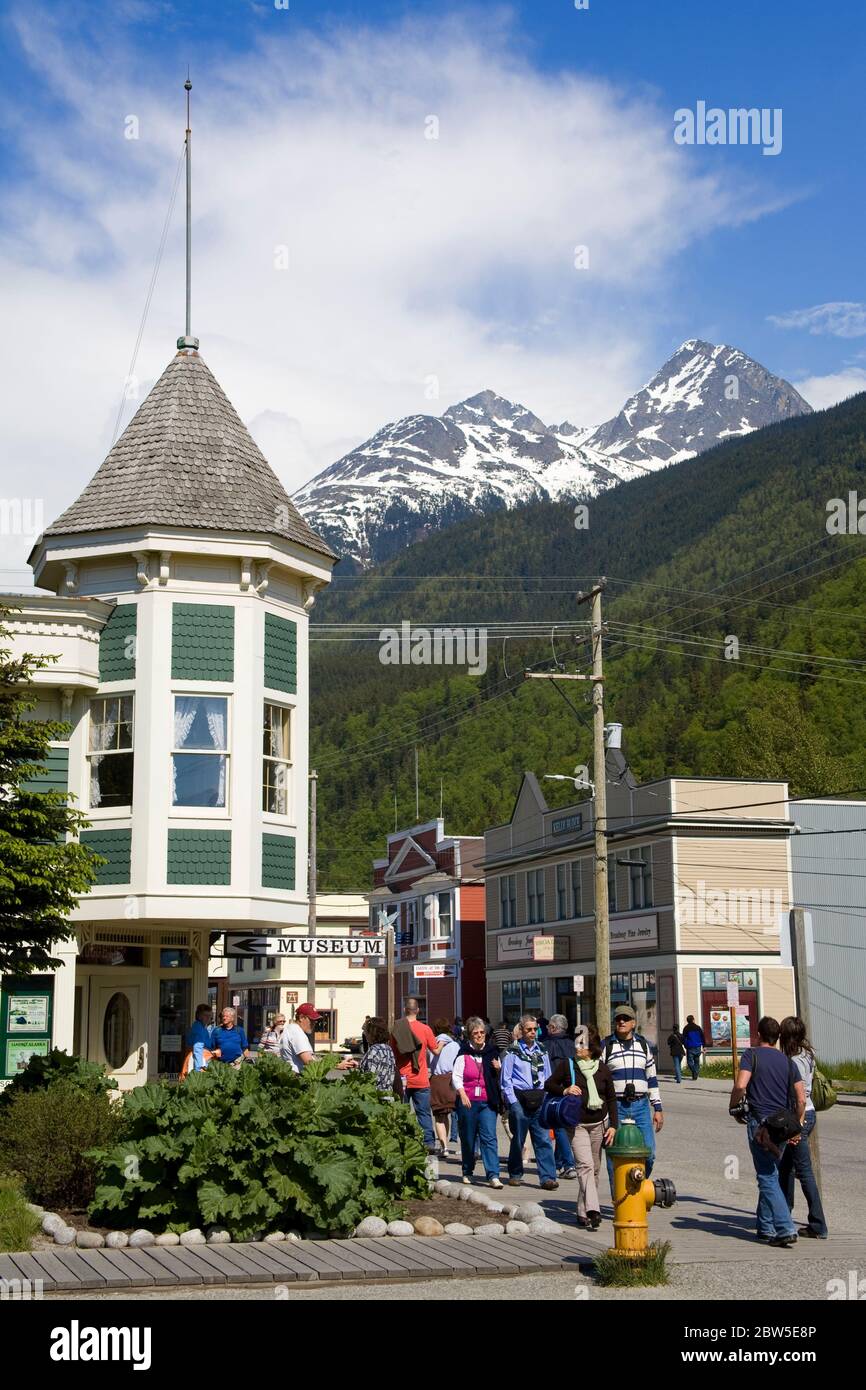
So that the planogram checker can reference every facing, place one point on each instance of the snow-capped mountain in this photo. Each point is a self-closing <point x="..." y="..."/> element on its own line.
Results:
<point x="427" y="471"/>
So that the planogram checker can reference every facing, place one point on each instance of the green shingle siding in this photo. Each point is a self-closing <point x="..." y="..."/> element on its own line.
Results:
<point x="55" y="774"/>
<point x="116" y="847"/>
<point x="199" y="856"/>
<point x="117" y="644"/>
<point x="203" y="642"/>
<point x="278" y="862"/>
<point x="281" y="654"/>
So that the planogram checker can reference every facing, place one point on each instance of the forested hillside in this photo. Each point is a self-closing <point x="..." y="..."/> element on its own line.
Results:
<point x="733" y="544"/>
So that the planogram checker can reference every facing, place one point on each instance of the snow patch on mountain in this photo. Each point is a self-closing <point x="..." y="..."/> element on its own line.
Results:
<point x="425" y="472"/>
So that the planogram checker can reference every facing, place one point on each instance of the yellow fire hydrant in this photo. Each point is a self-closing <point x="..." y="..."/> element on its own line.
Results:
<point x="633" y="1192"/>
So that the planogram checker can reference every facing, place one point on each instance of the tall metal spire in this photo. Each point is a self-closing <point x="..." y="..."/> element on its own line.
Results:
<point x="188" y="341"/>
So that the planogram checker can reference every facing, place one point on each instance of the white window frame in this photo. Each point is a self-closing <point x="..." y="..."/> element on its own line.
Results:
<point x="202" y="812"/>
<point x="276" y="816"/>
<point x="440" y="934"/>
<point x="109" y="812"/>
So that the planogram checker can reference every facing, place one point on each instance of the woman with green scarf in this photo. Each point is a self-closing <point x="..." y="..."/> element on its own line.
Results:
<point x="587" y="1076"/>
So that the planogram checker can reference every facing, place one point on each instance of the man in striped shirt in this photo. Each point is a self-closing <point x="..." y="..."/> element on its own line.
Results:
<point x="633" y="1065"/>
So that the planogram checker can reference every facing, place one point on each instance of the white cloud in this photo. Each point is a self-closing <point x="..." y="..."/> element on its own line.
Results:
<point x="409" y="258"/>
<point x="841" y="319"/>
<point x="822" y="391"/>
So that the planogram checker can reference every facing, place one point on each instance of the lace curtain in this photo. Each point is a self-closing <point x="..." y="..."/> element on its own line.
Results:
<point x="207" y="735"/>
<point x="101" y="736"/>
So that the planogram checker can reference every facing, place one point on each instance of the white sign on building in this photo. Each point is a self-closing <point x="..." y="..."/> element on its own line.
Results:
<point x="634" y="933"/>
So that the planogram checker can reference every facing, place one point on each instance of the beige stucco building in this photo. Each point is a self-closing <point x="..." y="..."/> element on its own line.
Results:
<point x="699" y="875"/>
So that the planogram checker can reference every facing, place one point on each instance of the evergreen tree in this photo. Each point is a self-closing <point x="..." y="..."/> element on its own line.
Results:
<point x="42" y="873"/>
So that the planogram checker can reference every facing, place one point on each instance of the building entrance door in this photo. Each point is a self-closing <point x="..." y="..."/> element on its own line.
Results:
<point x="117" y="1035"/>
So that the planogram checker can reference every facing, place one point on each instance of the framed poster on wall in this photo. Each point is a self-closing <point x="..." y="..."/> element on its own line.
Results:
<point x="20" y="1050"/>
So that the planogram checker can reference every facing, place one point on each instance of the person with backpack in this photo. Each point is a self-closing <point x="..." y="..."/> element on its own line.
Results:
<point x="559" y="1046"/>
<point x="585" y="1076"/>
<point x="633" y="1065"/>
<point x="797" y="1158"/>
<point x="775" y="1097"/>
<point x="677" y="1049"/>
<point x="525" y="1069"/>
<point x="694" y="1042"/>
<point x="442" y="1099"/>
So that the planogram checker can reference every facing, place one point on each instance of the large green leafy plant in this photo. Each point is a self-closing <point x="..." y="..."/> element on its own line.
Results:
<point x="258" y="1149"/>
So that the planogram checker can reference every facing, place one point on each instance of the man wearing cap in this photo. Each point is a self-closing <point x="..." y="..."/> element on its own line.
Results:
<point x="296" y="1042"/>
<point x="631" y="1061"/>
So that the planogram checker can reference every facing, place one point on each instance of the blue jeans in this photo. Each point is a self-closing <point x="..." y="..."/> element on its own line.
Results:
<point x="797" y="1163"/>
<point x="640" y="1111"/>
<point x="477" y="1125"/>
<point x="562" y="1148"/>
<point x="678" y="1069"/>
<point x="521" y="1125"/>
<point x="773" y="1216"/>
<point x="420" y="1098"/>
<point x="693" y="1057"/>
<point x="455" y="1127"/>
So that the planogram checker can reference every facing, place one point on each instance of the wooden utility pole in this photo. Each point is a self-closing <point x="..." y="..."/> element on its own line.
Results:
<point x="311" y="912"/>
<point x="389" y="964"/>
<point x="801" y="995"/>
<point x="602" y="918"/>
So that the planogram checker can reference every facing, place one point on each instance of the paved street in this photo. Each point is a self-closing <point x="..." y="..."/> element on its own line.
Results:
<point x="695" y="1148"/>
<point x="711" y="1227"/>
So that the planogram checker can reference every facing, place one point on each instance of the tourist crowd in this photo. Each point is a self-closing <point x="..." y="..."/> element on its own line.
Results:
<point x="562" y="1096"/>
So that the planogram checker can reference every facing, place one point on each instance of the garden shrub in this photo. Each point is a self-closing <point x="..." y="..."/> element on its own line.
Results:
<point x="58" y="1065"/>
<point x="260" y="1148"/>
<point x="46" y="1136"/>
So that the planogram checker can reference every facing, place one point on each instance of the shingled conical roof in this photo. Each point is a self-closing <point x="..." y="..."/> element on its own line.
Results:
<point x="186" y="459"/>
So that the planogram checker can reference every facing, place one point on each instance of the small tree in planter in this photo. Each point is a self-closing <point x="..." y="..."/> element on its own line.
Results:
<point x="259" y="1148"/>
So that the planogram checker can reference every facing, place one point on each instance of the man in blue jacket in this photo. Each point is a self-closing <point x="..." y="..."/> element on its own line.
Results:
<point x="526" y="1067"/>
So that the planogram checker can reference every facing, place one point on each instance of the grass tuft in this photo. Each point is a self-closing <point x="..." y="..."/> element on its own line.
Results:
<point x="18" y="1225"/>
<point x="629" y="1271"/>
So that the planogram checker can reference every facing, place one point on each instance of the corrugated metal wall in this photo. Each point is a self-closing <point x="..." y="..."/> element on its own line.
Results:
<point x="830" y="881"/>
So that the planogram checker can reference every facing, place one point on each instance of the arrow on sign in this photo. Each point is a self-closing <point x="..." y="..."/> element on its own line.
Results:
<point x="246" y="946"/>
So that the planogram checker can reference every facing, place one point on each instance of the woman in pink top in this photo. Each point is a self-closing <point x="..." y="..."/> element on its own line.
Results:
<point x="475" y="1078"/>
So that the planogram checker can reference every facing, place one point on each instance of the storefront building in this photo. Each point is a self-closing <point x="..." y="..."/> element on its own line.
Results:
<point x="430" y="887"/>
<point x="699" y="875"/>
<point x="178" y="591"/>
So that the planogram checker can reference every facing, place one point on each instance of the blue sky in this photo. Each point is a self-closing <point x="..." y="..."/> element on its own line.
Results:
<point x="411" y="261"/>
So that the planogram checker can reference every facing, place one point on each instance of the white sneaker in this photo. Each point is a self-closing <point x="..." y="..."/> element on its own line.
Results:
<point x="494" y="1182"/>
<point x="467" y="1182"/>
